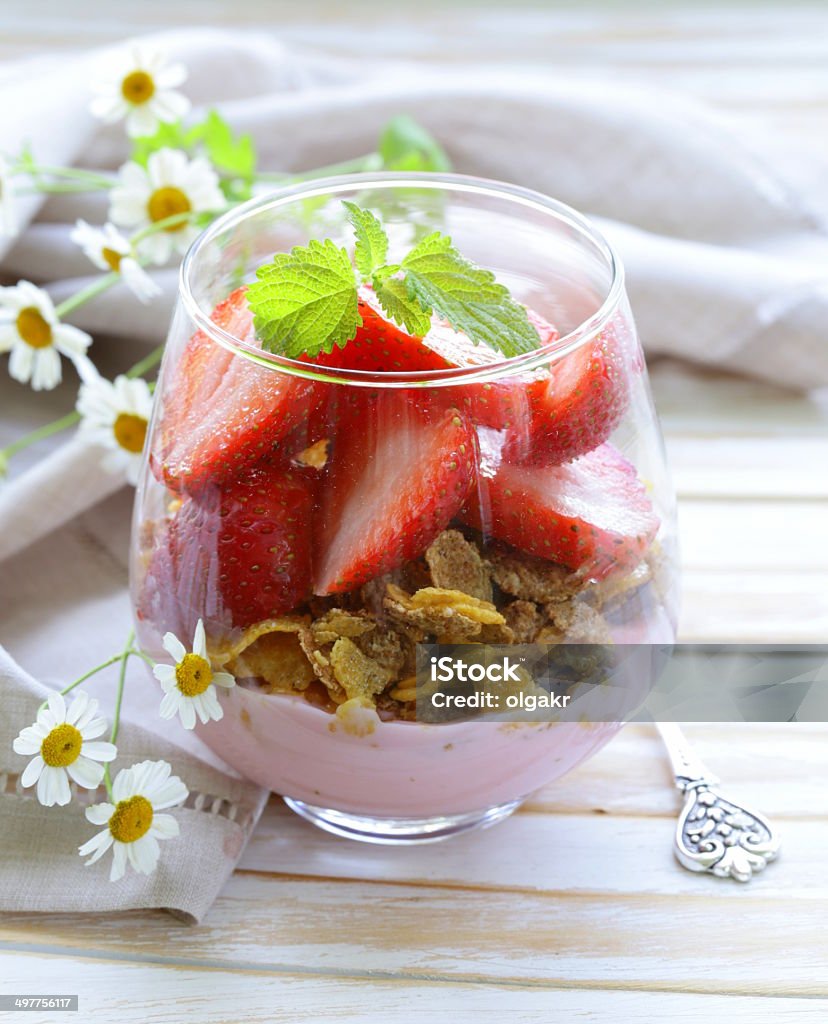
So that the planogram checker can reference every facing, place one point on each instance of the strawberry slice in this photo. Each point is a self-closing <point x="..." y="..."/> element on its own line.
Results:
<point x="379" y="346"/>
<point x="592" y="514"/>
<point x="575" y="407"/>
<point x="234" y="555"/>
<point x="221" y="412"/>
<point x="391" y="487"/>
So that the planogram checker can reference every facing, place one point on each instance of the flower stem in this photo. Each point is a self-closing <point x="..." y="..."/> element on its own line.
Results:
<point x="92" y="179"/>
<point x="86" y="675"/>
<point x="71" y="418"/>
<point x="85" y="294"/>
<point x="38" y="435"/>
<point x="119" y="699"/>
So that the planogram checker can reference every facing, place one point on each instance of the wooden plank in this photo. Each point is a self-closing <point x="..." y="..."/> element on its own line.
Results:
<point x="539" y="852"/>
<point x="735" y="605"/>
<point x="779" y="768"/>
<point x="674" y="943"/>
<point x="156" y="994"/>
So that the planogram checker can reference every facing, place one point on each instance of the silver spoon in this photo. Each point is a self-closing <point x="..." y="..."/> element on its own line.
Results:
<point x="714" y="833"/>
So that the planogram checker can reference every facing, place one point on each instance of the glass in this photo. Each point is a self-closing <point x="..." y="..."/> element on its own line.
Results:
<point x="323" y="519"/>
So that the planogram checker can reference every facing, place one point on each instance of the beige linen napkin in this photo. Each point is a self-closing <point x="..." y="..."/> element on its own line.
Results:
<point x="40" y="869"/>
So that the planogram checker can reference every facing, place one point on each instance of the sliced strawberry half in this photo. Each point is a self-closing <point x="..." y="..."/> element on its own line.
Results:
<point x="391" y="487"/>
<point x="379" y="346"/>
<point x="221" y="412"/>
<point x="234" y="555"/>
<point x="575" y="407"/>
<point x="592" y="514"/>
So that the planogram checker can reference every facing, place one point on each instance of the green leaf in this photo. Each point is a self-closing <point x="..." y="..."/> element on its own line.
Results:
<point x="305" y="301"/>
<point x="396" y="302"/>
<point x="406" y="146"/>
<point x="371" y="248"/>
<point x="169" y="134"/>
<point x="439" y="278"/>
<point x="230" y="153"/>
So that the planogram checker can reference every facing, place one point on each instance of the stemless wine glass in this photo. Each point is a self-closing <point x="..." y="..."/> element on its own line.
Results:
<point x="324" y="516"/>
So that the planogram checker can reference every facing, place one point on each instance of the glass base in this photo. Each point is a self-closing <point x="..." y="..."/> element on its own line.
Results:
<point x="399" y="831"/>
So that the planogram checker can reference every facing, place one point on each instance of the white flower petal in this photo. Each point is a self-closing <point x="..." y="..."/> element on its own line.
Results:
<point x="97" y="846"/>
<point x="21" y="363"/>
<point x="53" y="787"/>
<point x="170" y="793"/>
<point x="144" y="854"/>
<point x="119" y="862"/>
<point x="164" y="826"/>
<point x="141" y="120"/>
<point x="99" y="814"/>
<point x="173" y="646"/>
<point x="224" y="679"/>
<point x="32" y="772"/>
<point x="71" y="340"/>
<point x="57" y="705"/>
<point x="46" y="370"/>
<point x="28" y="742"/>
<point x="170" y="704"/>
<point x="100" y="751"/>
<point x="200" y="640"/>
<point x="165" y="674"/>
<point x="85" y="772"/>
<point x="187" y="714"/>
<point x="80" y="702"/>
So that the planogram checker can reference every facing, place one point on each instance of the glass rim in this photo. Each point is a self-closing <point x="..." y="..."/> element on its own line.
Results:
<point x="586" y="330"/>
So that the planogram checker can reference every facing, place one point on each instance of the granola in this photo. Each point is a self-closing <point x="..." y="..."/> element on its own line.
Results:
<point x="354" y="654"/>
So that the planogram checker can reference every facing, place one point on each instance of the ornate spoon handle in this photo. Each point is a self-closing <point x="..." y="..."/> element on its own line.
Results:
<point x="714" y="833"/>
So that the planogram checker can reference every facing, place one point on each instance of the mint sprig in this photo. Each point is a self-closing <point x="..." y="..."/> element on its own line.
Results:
<point x="306" y="301"/>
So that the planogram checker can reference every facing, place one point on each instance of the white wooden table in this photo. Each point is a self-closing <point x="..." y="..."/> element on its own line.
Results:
<point x="574" y="908"/>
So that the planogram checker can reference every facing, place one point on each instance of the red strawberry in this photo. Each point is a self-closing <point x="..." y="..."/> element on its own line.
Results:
<point x="379" y="346"/>
<point x="234" y="555"/>
<point x="591" y="514"/>
<point x="221" y="412"/>
<point x="391" y="487"/>
<point x="574" y="408"/>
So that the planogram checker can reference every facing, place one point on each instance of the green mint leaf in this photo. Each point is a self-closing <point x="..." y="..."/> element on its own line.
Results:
<point x="470" y="298"/>
<point x="406" y="146"/>
<point x="371" y="248"/>
<point x="397" y="303"/>
<point x="305" y="301"/>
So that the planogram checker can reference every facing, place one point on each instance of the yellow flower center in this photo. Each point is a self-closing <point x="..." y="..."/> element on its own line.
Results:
<point x="62" y="746"/>
<point x="112" y="258"/>
<point x="130" y="431"/>
<point x="138" y="87"/>
<point x="193" y="675"/>
<point x="33" y="327"/>
<point x="167" y="202"/>
<point x="131" y="820"/>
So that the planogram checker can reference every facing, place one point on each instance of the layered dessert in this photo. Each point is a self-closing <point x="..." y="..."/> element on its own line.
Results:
<point x="324" y="518"/>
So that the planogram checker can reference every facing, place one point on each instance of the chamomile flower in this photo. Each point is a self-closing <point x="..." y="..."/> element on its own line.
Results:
<point x="109" y="250"/>
<point x="170" y="185"/>
<point x="116" y="415"/>
<point x="190" y="685"/>
<point x="65" y="746"/>
<point x="133" y="824"/>
<point x="8" y="218"/>
<point x="140" y="86"/>
<point x="31" y="331"/>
